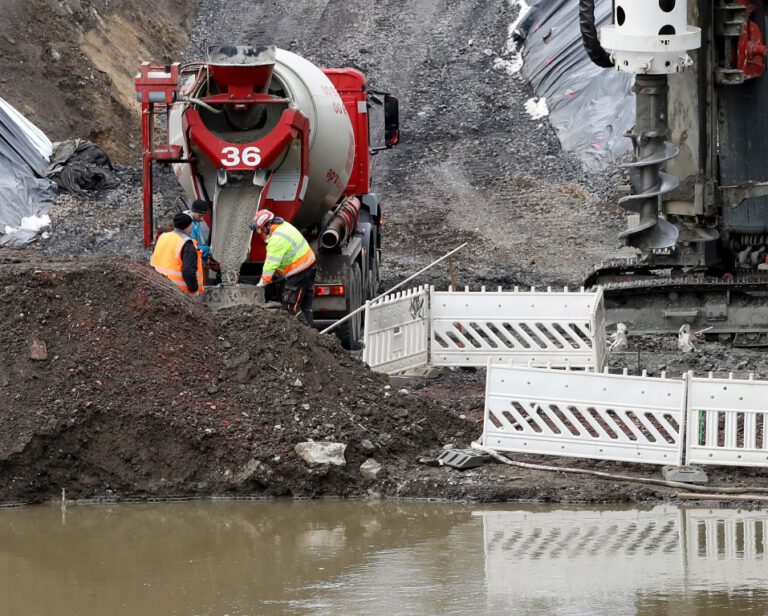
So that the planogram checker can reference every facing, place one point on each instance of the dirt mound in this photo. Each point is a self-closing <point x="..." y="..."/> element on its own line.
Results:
<point x="111" y="381"/>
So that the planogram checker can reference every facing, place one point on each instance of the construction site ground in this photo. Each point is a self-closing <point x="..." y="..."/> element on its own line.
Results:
<point x="112" y="385"/>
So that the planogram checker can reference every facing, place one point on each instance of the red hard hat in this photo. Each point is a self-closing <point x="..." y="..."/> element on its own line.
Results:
<point x="262" y="220"/>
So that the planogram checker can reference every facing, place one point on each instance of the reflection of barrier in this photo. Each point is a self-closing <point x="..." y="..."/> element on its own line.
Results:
<point x="561" y="329"/>
<point x="397" y="331"/>
<point x="626" y="418"/>
<point x="584" y="415"/>
<point x="714" y="534"/>
<point x="625" y="550"/>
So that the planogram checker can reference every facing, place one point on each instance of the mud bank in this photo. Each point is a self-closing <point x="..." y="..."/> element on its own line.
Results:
<point x="113" y="385"/>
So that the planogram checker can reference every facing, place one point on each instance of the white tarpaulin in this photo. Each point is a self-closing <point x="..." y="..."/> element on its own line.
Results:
<point x="25" y="194"/>
<point x="590" y="107"/>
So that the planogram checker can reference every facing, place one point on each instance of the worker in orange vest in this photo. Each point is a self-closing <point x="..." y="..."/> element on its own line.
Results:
<point x="177" y="257"/>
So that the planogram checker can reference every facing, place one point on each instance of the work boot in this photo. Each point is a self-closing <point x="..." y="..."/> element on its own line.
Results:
<point x="306" y="317"/>
<point x="309" y="317"/>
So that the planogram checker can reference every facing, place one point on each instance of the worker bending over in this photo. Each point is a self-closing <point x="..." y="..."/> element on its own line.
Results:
<point x="201" y="232"/>
<point x="177" y="258"/>
<point x="288" y="256"/>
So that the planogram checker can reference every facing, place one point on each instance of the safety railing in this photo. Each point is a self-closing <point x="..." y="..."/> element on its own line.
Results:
<point x="558" y="328"/>
<point x="397" y="331"/>
<point x="584" y="415"/>
<point x="692" y="420"/>
<point x="727" y="421"/>
<point x="469" y="328"/>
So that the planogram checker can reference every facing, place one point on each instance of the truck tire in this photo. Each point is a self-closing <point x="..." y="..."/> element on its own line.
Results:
<point x="351" y="332"/>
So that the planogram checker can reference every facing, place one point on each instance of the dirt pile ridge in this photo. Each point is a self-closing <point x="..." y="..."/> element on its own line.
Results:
<point x="137" y="390"/>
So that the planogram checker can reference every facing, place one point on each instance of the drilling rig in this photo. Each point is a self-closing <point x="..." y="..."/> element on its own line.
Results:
<point x="261" y="127"/>
<point x="698" y="202"/>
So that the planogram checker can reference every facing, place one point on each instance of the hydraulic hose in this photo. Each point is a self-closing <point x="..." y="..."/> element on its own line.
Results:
<point x="589" y="37"/>
<point x="711" y="491"/>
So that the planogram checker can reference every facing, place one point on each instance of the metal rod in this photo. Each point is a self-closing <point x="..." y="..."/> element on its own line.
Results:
<point x="397" y="286"/>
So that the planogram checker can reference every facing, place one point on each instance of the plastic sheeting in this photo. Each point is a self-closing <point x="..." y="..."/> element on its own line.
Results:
<point x="590" y="107"/>
<point x="78" y="166"/>
<point x="25" y="194"/>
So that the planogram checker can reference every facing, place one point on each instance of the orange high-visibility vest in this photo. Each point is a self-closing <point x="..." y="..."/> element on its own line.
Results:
<point x="166" y="259"/>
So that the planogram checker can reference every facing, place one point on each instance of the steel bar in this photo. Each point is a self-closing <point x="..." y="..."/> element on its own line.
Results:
<point x="397" y="286"/>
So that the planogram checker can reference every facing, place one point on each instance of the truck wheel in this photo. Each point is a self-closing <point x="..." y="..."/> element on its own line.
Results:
<point x="351" y="332"/>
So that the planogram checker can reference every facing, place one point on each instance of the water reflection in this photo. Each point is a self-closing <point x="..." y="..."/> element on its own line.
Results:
<point x="659" y="561"/>
<point x="286" y="557"/>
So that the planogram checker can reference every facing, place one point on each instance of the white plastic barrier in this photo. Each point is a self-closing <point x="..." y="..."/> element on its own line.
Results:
<point x="727" y="422"/>
<point x="584" y="415"/>
<point x="559" y="328"/>
<point x="397" y="331"/>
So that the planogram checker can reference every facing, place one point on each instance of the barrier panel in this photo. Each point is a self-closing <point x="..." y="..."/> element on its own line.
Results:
<point x="397" y="331"/>
<point x="559" y="328"/>
<point x="584" y="415"/>
<point x="727" y="422"/>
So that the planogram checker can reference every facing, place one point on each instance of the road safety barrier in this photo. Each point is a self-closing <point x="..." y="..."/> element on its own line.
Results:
<point x="559" y="328"/>
<point x="727" y="421"/>
<point x="584" y="415"/>
<point x="654" y="420"/>
<point x="397" y="331"/>
<point x="470" y="328"/>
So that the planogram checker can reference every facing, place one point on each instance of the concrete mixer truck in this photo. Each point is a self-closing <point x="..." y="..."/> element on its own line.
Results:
<point x="261" y="127"/>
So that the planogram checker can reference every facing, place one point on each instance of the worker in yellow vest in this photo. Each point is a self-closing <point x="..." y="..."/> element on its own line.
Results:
<point x="177" y="257"/>
<point x="289" y="256"/>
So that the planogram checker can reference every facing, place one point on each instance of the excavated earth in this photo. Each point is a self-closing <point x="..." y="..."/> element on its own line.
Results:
<point x="114" y="386"/>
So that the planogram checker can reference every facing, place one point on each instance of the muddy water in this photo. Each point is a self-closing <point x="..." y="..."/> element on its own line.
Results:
<point x="262" y="558"/>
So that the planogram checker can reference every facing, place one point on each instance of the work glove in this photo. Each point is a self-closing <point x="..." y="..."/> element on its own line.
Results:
<point x="261" y="283"/>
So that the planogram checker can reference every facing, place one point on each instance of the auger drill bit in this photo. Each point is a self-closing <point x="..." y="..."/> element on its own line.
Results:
<point x="648" y="182"/>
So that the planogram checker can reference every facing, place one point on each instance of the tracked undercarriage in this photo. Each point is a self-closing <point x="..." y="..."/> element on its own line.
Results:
<point x="652" y="301"/>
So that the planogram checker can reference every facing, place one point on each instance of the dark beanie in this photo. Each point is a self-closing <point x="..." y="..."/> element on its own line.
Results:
<point x="181" y="221"/>
<point x="199" y="206"/>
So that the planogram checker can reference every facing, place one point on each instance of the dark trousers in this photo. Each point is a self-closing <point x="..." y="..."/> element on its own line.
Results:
<point x="299" y="292"/>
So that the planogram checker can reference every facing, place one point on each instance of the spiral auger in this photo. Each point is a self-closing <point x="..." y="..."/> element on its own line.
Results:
<point x="649" y="183"/>
<point x="651" y="41"/>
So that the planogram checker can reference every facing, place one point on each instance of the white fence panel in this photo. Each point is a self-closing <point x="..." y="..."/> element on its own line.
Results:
<point x="397" y="331"/>
<point x="584" y="414"/>
<point x="727" y="421"/>
<point x="563" y="329"/>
